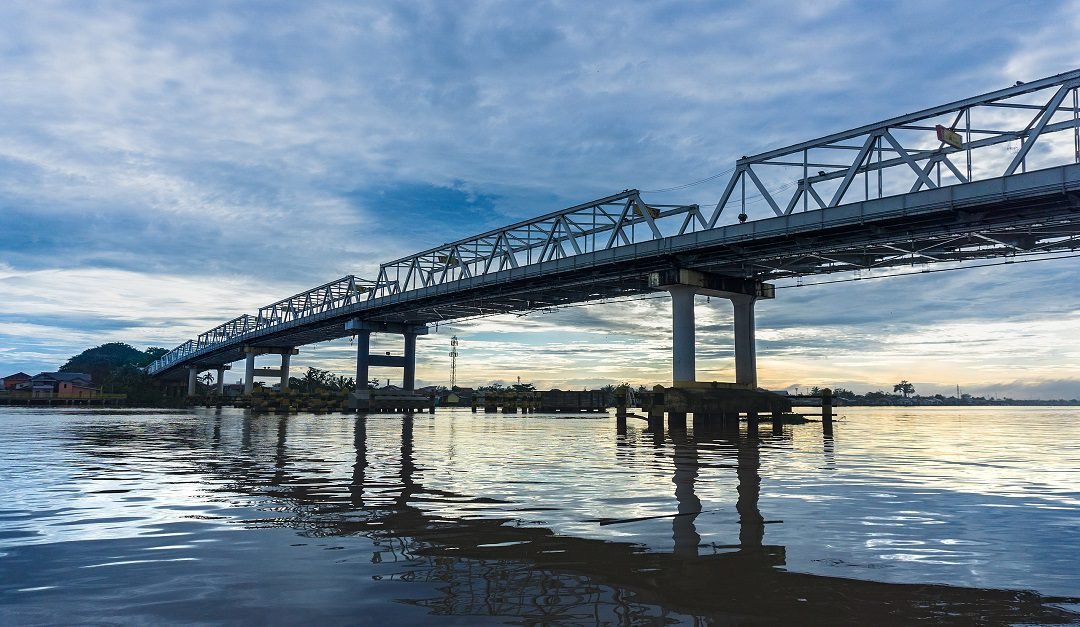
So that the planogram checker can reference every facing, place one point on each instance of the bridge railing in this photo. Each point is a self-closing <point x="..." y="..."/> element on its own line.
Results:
<point x="342" y="292"/>
<point x="222" y="333"/>
<point x="178" y="354"/>
<point x="996" y="134"/>
<point x="598" y="225"/>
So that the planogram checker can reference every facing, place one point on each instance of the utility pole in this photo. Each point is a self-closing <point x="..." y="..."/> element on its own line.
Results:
<point x="453" y="361"/>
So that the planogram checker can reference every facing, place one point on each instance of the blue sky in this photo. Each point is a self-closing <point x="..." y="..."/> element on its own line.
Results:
<point x="167" y="166"/>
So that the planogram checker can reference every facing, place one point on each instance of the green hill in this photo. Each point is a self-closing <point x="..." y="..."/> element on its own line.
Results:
<point x="101" y="361"/>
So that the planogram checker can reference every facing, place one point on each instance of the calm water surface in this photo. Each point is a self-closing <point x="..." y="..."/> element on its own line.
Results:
<point x="934" y="516"/>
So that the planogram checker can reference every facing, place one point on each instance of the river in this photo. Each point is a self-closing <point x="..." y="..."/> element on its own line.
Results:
<point x="902" y="515"/>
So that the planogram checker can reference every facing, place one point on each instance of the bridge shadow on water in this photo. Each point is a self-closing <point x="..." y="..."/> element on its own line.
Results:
<point x="494" y="567"/>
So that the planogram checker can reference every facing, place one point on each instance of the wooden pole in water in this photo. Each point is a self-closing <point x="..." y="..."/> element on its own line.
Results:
<point x="826" y="410"/>
<point x="656" y="410"/>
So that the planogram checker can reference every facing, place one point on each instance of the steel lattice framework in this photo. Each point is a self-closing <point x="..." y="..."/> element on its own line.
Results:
<point x="996" y="134"/>
<point x="599" y="225"/>
<point x="1015" y="193"/>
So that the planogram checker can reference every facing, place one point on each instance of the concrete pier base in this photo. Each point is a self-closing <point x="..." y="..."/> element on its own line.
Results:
<point x="713" y="405"/>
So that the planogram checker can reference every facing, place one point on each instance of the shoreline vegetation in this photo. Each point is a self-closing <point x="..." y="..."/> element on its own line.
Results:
<point x="118" y="368"/>
<point x="904" y="396"/>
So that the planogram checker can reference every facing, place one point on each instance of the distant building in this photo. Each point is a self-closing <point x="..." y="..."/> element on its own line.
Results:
<point x="232" y="390"/>
<point x="62" y="385"/>
<point x="12" y="381"/>
<point x="458" y="397"/>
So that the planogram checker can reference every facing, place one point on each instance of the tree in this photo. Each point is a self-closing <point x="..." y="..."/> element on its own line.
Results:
<point x="140" y="388"/>
<point x="100" y="361"/>
<point x="844" y="393"/>
<point x="904" y="388"/>
<point x="313" y="379"/>
<point x="153" y="353"/>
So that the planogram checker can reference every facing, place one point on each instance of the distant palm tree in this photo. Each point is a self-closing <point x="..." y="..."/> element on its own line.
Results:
<point x="904" y="388"/>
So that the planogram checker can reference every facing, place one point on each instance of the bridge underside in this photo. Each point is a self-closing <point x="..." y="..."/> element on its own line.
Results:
<point x="1020" y="215"/>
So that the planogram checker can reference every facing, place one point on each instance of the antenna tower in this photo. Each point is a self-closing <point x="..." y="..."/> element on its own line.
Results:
<point x="453" y="361"/>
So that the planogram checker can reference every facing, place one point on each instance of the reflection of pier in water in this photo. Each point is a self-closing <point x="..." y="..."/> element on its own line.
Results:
<point x="486" y="567"/>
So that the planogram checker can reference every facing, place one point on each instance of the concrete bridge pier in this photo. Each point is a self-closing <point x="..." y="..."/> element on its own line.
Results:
<point x="683" y="353"/>
<point x="745" y="349"/>
<point x="364" y="358"/>
<point x="408" y="379"/>
<point x="684" y="285"/>
<point x="285" y="370"/>
<point x="249" y="373"/>
<point x="282" y="373"/>
<point x="193" y="377"/>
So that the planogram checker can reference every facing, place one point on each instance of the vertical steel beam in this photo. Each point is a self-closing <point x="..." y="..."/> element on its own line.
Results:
<point x="1076" y="122"/>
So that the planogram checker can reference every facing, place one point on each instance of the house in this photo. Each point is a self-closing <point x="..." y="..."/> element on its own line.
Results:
<point x="459" y="397"/>
<point x="12" y="381"/>
<point x="62" y="385"/>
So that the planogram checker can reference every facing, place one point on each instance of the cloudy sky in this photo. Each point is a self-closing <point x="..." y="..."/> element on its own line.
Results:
<point x="166" y="166"/>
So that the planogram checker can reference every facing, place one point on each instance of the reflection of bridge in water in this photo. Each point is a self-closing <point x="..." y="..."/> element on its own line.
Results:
<point x="995" y="175"/>
<point x="493" y="567"/>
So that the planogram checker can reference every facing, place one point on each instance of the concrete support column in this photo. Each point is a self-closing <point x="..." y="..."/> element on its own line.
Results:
<point x="745" y="350"/>
<point x="221" y="382"/>
<point x="682" y="334"/>
<point x="249" y="373"/>
<point x="192" y="375"/>
<point x="285" y="357"/>
<point x="408" y="381"/>
<point x="363" y="359"/>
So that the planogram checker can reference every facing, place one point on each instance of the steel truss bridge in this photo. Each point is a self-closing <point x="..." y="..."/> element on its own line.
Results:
<point x="996" y="175"/>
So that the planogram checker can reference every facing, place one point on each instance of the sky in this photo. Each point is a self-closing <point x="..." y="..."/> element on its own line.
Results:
<point x="168" y="166"/>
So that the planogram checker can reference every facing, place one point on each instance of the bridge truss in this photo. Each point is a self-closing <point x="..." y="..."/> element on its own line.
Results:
<point x="1002" y="180"/>
<point x="1028" y="126"/>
